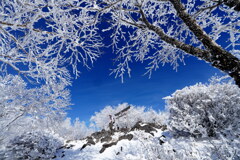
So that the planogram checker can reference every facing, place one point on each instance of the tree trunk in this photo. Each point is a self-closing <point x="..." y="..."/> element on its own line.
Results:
<point x="235" y="4"/>
<point x="218" y="57"/>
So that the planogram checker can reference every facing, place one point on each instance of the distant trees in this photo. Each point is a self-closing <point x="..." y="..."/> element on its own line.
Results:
<point x="128" y="119"/>
<point x="72" y="130"/>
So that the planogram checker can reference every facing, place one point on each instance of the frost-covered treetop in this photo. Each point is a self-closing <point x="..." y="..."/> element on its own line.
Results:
<point x="41" y="38"/>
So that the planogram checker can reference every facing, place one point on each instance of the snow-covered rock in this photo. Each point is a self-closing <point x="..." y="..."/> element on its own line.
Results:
<point x="115" y="144"/>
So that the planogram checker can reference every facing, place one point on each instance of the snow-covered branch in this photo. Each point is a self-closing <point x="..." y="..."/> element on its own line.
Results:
<point x="159" y="32"/>
<point x="43" y="38"/>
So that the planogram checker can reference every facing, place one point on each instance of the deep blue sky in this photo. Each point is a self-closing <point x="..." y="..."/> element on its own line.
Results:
<point x="95" y="88"/>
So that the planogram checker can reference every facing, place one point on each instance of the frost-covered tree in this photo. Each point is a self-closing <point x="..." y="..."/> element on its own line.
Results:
<point x="163" y="31"/>
<point x="40" y="37"/>
<point x="23" y="109"/>
<point x="205" y="110"/>
<point x="128" y="119"/>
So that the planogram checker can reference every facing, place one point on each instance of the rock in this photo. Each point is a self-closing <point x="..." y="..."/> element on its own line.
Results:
<point x="155" y="125"/>
<point x="106" y="145"/>
<point x="84" y="146"/>
<point x="164" y="127"/>
<point x="68" y="141"/>
<point x="106" y="135"/>
<point x="66" y="146"/>
<point x="106" y="139"/>
<point x="124" y="130"/>
<point x="148" y="128"/>
<point x="128" y="136"/>
<point x="102" y="134"/>
<point x="99" y="135"/>
<point x="90" y="142"/>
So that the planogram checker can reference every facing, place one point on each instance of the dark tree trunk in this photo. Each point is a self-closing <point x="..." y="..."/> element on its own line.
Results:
<point x="217" y="56"/>
<point x="235" y="4"/>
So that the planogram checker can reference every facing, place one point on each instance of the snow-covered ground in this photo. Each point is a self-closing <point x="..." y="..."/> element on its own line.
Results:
<point x="201" y="123"/>
<point x="135" y="149"/>
<point x="143" y="146"/>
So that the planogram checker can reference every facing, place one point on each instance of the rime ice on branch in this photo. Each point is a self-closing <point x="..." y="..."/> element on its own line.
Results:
<point x="40" y="39"/>
<point x="45" y="36"/>
<point x="163" y="31"/>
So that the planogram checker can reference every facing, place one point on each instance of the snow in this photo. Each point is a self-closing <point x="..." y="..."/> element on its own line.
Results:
<point x="169" y="143"/>
<point x="142" y="135"/>
<point x="126" y="149"/>
<point x="143" y="146"/>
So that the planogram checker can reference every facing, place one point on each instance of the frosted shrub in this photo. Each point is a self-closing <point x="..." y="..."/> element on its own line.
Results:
<point x="204" y="110"/>
<point x="32" y="146"/>
<point x="128" y="119"/>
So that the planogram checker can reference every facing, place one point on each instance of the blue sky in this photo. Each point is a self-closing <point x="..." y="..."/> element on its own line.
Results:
<point x="95" y="88"/>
